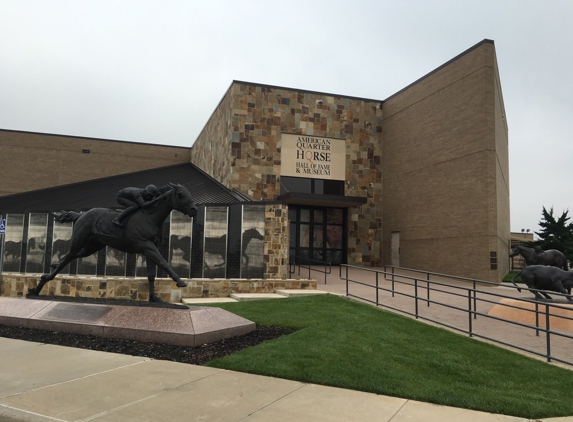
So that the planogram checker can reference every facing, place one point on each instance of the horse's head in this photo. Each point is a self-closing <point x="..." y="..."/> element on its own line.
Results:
<point x="182" y="201"/>
<point x="514" y="251"/>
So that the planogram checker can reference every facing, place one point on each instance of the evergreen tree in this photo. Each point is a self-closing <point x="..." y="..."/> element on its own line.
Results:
<point x="556" y="233"/>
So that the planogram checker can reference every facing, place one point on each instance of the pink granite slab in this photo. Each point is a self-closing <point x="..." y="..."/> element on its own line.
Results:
<point x="151" y="319"/>
<point x="184" y="327"/>
<point x="76" y="318"/>
<point x="154" y="325"/>
<point x="212" y="324"/>
<point x="17" y="311"/>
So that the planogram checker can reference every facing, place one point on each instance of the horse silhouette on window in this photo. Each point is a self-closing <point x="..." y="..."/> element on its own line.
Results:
<point x="214" y="245"/>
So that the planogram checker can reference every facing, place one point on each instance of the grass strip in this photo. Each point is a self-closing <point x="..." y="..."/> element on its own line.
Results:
<point x="346" y="344"/>
<point x="510" y="275"/>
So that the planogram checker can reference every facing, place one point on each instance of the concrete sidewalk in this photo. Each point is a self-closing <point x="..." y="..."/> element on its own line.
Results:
<point x="40" y="382"/>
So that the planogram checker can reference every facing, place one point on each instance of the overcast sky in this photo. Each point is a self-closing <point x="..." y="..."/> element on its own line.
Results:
<point x="154" y="71"/>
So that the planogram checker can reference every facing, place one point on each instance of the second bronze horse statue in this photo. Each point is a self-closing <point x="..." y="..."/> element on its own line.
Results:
<point x="141" y="234"/>
<point x="551" y="257"/>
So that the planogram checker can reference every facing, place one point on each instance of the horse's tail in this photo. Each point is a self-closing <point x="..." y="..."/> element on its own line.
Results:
<point x="67" y="216"/>
<point x="514" y="277"/>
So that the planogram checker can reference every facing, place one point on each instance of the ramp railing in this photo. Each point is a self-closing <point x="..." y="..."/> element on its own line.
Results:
<point x="473" y="307"/>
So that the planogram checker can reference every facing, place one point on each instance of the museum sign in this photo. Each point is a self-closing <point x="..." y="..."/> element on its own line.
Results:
<point x="313" y="157"/>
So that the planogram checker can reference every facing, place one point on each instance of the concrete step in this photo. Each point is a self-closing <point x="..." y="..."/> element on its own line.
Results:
<point x="242" y="297"/>
<point x="300" y="293"/>
<point x="206" y="300"/>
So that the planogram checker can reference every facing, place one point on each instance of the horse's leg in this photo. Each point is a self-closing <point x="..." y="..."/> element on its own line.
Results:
<point x="530" y="283"/>
<point x="558" y="287"/>
<point x="151" y="269"/>
<point x="69" y="257"/>
<point x="152" y="253"/>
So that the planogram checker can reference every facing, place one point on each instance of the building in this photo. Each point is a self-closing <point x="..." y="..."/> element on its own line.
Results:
<point x="418" y="180"/>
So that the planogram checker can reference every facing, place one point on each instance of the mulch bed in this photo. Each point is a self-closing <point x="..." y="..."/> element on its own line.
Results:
<point x="198" y="355"/>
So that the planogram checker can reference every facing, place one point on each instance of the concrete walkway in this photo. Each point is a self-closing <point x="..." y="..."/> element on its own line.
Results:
<point x="40" y="382"/>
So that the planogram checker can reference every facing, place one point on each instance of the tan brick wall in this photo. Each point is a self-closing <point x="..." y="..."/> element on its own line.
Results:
<point x="249" y="122"/>
<point x="34" y="161"/>
<point x="445" y="170"/>
<point x="502" y="179"/>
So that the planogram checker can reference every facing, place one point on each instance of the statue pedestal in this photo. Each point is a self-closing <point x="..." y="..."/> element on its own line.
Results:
<point x="524" y="312"/>
<point x="181" y="327"/>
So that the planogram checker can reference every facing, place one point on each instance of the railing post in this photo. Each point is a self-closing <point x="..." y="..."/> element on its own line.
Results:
<point x="537" y="318"/>
<point x="475" y="301"/>
<point x="470" y="328"/>
<point x="547" y="333"/>
<point x="376" y="288"/>
<point x="392" y="281"/>
<point x="416" y="295"/>
<point x="346" y="268"/>
<point x="428" y="289"/>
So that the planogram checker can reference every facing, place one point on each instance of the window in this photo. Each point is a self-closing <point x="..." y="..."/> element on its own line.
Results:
<point x="316" y="186"/>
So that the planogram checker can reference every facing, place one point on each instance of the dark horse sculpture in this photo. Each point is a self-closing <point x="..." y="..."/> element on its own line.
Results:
<point x="141" y="234"/>
<point x="543" y="277"/>
<point x="532" y="256"/>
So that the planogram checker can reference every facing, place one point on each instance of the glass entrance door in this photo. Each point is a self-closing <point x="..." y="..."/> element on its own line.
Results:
<point x="317" y="233"/>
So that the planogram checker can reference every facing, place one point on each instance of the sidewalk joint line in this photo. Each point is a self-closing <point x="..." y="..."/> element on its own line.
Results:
<point x="75" y="379"/>
<point x="273" y="402"/>
<point x="398" y="411"/>
<point x="32" y="413"/>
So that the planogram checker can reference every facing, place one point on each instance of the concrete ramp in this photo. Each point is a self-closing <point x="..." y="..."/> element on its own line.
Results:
<point x="182" y="327"/>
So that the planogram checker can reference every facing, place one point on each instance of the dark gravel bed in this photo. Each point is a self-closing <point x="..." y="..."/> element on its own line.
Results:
<point x="194" y="355"/>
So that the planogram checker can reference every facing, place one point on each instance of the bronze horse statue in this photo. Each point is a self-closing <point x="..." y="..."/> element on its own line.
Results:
<point x="93" y="230"/>
<point x="543" y="277"/>
<point x="551" y="257"/>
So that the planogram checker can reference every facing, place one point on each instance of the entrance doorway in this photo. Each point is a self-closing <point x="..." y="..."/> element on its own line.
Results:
<point x="317" y="233"/>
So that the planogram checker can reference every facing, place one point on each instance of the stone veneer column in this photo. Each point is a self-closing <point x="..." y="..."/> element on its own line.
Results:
<point x="276" y="241"/>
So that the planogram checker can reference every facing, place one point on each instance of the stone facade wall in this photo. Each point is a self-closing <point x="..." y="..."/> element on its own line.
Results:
<point x="276" y="253"/>
<point x="210" y="152"/>
<point x="445" y="170"/>
<point x="54" y="160"/>
<point x="249" y="122"/>
<point x="138" y="288"/>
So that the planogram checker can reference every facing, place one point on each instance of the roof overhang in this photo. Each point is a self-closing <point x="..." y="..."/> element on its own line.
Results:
<point x="334" y="201"/>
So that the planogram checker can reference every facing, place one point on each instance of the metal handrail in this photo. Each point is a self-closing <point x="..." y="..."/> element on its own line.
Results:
<point x="474" y="296"/>
<point x="293" y="264"/>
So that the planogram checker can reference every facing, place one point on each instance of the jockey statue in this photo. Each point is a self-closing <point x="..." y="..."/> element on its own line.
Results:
<point x="134" y="199"/>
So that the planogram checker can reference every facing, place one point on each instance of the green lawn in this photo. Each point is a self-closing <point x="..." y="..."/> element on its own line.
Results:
<point x="510" y="275"/>
<point x="346" y="344"/>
